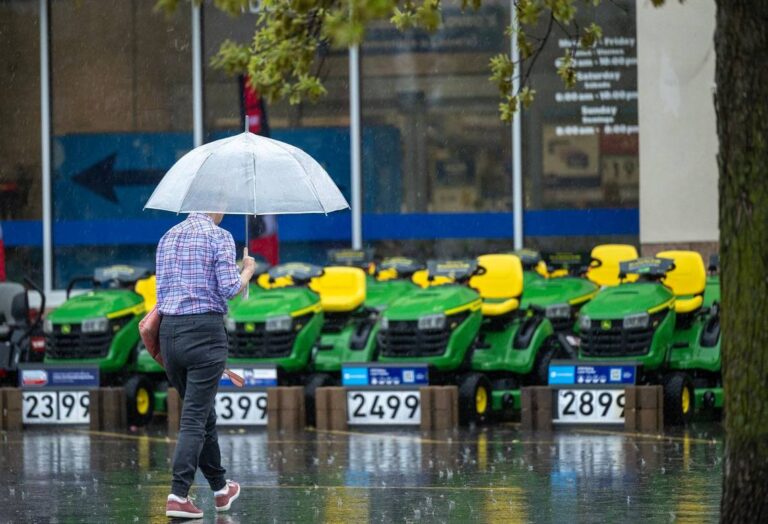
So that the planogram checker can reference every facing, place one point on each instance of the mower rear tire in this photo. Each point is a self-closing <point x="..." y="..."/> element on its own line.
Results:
<point x="474" y="399"/>
<point x="679" y="399"/>
<point x="140" y="400"/>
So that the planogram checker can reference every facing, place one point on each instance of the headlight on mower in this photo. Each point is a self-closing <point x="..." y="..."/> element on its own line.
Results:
<point x="558" y="311"/>
<point x="385" y="323"/>
<point x="639" y="320"/>
<point x="95" y="325"/>
<point x="47" y="327"/>
<point x="585" y="322"/>
<point x="282" y="323"/>
<point x="230" y="324"/>
<point x="432" y="322"/>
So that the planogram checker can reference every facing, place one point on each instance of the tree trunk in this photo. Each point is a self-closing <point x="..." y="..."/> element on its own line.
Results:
<point x="741" y="42"/>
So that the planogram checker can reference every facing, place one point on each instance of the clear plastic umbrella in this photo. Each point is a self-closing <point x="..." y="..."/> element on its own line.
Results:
<point x="247" y="174"/>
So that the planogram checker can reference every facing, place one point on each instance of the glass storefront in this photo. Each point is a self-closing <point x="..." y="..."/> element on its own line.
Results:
<point x="436" y="158"/>
<point x="436" y="162"/>
<point x="580" y="145"/>
<point x="121" y="116"/>
<point x="20" y="156"/>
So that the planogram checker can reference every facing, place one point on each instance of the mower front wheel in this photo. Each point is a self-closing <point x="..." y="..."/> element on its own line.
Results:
<point x="474" y="399"/>
<point x="549" y="351"/>
<point x="140" y="400"/>
<point x="679" y="399"/>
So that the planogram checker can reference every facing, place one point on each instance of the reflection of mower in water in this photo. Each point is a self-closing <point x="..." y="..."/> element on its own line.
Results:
<point x="470" y="332"/>
<point x="21" y="338"/>
<point x="661" y="323"/>
<point x="100" y="328"/>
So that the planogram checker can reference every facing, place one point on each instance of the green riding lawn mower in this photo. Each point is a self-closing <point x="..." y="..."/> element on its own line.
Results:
<point x="467" y="326"/>
<point x="306" y="322"/>
<point x="100" y="328"/>
<point x="664" y="322"/>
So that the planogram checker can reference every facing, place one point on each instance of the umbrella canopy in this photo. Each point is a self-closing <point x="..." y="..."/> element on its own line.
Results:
<point x="247" y="174"/>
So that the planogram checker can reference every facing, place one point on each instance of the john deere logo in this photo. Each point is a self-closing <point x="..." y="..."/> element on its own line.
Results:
<point x="250" y="327"/>
<point x="605" y="324"/>
<point x="66" y="329"/>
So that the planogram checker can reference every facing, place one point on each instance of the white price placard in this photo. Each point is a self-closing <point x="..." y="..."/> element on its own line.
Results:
<point x="241" y="409"/>
<point x="383" y="407"/>
<point x="590" y="406"/>
<point x="55" y="407"/>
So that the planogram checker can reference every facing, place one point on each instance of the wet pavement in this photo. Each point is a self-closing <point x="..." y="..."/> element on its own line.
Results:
<point x="497" y="474"/>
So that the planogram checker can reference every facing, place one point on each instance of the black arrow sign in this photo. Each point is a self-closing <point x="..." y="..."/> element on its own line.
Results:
<point x="101" y="177"/>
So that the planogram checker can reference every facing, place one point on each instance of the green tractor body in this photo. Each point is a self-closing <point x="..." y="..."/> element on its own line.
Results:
<point x="350" y="335"/>
<point x="277" y="326"/>
<point x="100" y="328"/>
<point x="480" y="342"/>
<point x="674" y="337"/>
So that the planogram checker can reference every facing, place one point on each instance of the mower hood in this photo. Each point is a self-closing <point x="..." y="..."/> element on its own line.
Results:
<point x="107" y="303"/>
<point x="567" y="290"/>
<point x="433" y="300"/>
<point x="292" y="301"/>
<point x="626" y="299"/>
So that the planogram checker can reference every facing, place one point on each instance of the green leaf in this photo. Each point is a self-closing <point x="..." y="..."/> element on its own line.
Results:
<point x="566" y="71"/>
<point x="591" y="35"/>
<point x="526" y="96"/>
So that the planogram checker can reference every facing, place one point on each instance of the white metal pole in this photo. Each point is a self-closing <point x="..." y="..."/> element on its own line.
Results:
<point x="517" y="165"/>
<point x="197" y="75"/>
<point x="45" y="149"/>
<point x="355" y="132"/>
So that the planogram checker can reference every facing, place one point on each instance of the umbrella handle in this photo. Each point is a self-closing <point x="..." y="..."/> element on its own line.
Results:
<point x="246" y="289"/>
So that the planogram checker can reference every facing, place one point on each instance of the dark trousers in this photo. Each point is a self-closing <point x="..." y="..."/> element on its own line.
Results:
<point x="194" y="349"/>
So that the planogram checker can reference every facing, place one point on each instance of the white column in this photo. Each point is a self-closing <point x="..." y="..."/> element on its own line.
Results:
<point x="355" y="135"/>
<point x="197" y="75"/>
<point x="517" y="166"/>
<point x="45" y="149"/>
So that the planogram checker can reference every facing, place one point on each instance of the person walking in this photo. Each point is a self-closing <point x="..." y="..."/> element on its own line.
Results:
<point x="196" y="275"/>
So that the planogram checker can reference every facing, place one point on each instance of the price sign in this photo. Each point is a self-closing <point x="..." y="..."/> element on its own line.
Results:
<point x="589" y="406"/>
<point x="396" y="407"/>
<point x="241" y="409"/>
<point x="55" y="407"/>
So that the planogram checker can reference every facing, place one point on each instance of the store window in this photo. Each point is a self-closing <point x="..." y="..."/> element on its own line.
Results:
<point x="321" y="129"/>
<point x="121" y="99"/>
<point x="580" y="146"/>
<point x="20" y="179"/>
<point x="434" y="148"/>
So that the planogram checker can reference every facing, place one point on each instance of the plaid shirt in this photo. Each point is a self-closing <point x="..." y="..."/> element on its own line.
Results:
<point x="196" y="270"/>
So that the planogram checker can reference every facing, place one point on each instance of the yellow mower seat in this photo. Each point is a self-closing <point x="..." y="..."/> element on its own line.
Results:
<point x="611" y="255"/>
<point x="687" y="281"/>
<point x="501" y="285"/>
<point x="494" y="308"/>
<point x="340" y="288"/>
<point x="147" y="288"/>
<point x="421" y="279"/>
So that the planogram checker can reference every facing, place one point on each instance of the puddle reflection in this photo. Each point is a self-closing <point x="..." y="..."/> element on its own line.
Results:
<point x="495" y="475"/>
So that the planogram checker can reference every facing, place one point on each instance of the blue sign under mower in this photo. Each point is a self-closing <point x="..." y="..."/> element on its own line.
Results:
<point x="390" y="375"/>
<point x="570" y="374"/>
